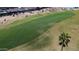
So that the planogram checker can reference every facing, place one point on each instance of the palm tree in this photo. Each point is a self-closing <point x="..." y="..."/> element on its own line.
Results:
<point x="64" y="39"/>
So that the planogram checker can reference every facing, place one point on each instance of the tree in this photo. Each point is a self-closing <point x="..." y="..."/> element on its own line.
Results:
<point x="64" y="39"/>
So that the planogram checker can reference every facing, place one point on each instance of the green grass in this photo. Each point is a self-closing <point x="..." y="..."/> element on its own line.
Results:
<point x="28" y="31"/>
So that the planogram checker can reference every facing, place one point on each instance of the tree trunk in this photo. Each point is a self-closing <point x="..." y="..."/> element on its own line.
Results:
<point x="62" y="48"/>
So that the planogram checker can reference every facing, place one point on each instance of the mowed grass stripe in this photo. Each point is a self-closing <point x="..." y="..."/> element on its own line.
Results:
<point x="26" y="32"/>
<point x="24" y="20"/>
